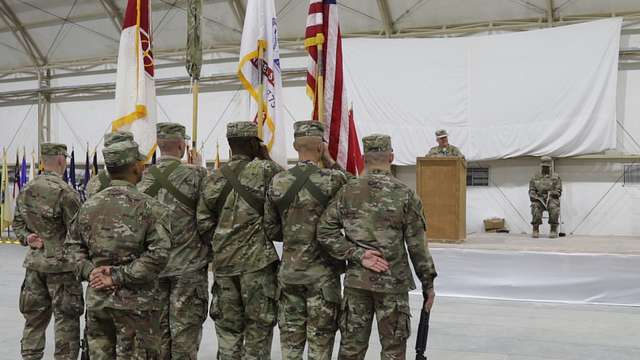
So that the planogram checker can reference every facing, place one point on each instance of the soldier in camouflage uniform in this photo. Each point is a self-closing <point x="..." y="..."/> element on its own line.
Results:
<point x="379" y="216"/>
<point x="444" y="149"/>
<point x="44" y="211"/>
<point x="309" y="279"/>
<point x="230" y="211"/>
<point x="184" y="297"/>
<point x="120" y="242"/>
<point x="545" y="189"/>
<point x="102" y="180"/>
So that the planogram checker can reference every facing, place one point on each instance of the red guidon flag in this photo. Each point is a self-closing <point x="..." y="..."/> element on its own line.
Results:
<point x="135" y="85"/>
<point x="323" y="27"/>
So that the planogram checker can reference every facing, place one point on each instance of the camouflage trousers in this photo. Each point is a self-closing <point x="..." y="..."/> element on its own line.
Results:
<point x="41" y="295"/>
<point x="309" y="313"/>
<point x="538" y="209"/>
<point x="122" y="334"/>
<point x="184" y="303"/>
<point x="244" y="310"/>
<point x="393" y="317"/>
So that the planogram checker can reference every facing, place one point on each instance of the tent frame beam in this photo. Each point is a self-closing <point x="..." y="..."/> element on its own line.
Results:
<point x="21" y="34"/>
<point x="115" y="15"/>
<point x="238" y="10"/>
<point x="387" y="19"/>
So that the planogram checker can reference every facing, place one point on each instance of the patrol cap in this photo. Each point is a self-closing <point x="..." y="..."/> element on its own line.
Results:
<point x="241" y="129"/>
<point x="117" y="136"/>
<point x="171" y="131"/>
<point x="308" y="128"/>
<point x="122" y="153"/>
<point x="442" y="133"/>
<point x="376" y="143"/>
<point x="53" y="149"/>
<point x="545" y="161"/>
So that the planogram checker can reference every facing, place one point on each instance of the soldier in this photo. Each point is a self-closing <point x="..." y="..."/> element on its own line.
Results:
<point x="102" y="180"/>
<point x="545" y="189"/>
<point x="184" y="297"/>
<point x="120" y="241"/>
<point x="44" y="211"/>
<point x="379" y="216"/>
<point x="230" y="211"/>
<point x="309" y="279"/>
<point x="444" y="149"/>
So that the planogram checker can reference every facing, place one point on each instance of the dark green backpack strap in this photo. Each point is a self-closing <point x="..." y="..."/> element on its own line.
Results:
<point x="301" y="177"/>
<point x="232" y="177"/>
<point x="104" y="179"/>
<point x="226" y="190"/>
<point x="162" y="182"/>
<point x="317" y="193"/>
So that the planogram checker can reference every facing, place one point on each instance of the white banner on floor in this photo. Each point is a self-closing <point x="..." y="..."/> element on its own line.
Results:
<point x="538" y="276"/>
<point x="542" y="92"/>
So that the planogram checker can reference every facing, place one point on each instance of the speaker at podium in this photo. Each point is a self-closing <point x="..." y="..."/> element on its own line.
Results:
<point x="442" y="185"/>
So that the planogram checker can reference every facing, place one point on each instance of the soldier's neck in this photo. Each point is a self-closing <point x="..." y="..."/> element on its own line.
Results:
<point x="53" y="169"/>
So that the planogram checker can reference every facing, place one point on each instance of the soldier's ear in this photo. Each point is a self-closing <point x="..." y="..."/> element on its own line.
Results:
<point x="391" y="157"/>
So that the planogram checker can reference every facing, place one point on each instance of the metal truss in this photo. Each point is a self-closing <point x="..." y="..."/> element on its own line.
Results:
<point x="167" y="86"/>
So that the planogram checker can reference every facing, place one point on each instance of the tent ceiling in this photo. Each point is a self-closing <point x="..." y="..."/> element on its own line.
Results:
<point x="84" y="32"/>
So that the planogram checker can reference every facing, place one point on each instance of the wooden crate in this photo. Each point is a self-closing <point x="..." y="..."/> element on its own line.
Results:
<point x="441" y="183"/>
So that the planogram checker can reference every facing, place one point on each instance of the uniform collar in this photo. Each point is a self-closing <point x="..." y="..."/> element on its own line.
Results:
<point x="307" y="162"/>
<point x="121" y="183"/>
<point x="167" y="158"/>
<point x="240" y="157"/>
<point x="379" y="172"/>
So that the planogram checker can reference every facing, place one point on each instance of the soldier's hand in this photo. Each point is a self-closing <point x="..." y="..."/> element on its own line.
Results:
<point x="195" y="157"/>
<point x="430" y="297"/>
<point x="101" y="281"/>
<point x="104" y="270"/>
<point x="34" y="241"/>
<point x="374" y="261"/>
<point x="327" y="160"/>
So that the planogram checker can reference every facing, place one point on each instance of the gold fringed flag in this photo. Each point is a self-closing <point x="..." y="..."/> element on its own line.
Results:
<point x="260" y="74"/>
<point x="135" y="85"/>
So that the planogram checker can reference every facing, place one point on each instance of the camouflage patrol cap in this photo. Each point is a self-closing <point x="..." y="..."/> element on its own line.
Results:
<point x="171" y="131"/>
<point x="376" y="143"/>
<point x="308" y="128"/>
<point x="545" y="161"/>
<point x="442" y="133"/>
<point x="117" y="136"/>
<point x="241" y="129"/>
<point x="53" y="149"/>
<point x="122" y="153"/>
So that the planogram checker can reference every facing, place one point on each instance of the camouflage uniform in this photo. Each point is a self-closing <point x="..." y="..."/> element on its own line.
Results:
<point x="243" y="304"/>
<point x="544" y="193"/>
<point x="101" y="181"/>
<point x="377" y="212"/>
<point x="129" y="231"/>
<point x="46" y="207"/>
<point x="309" y="279"/>
<point x="184" y="297"/>
<point x="447" y="151"/>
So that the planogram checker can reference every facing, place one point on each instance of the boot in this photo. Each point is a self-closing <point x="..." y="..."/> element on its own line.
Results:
<point x="536" y="231"/>
<point x="554" y="232"/>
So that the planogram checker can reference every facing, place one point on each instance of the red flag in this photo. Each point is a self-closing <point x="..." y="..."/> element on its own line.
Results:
<point x="323" y="26"/>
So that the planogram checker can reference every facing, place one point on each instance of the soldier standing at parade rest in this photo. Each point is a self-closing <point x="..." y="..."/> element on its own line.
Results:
<point x="309" y="278"/>
<point x="44" y="210"/>
<point x="369" y="223"/>
<point x="102" y="180"/>
<point x="444" y="149"/>
<point x="230" y="211"/>
<point x="545" y="189"/>
<point x="184" y="298"/>
<point x="120" y="242"/>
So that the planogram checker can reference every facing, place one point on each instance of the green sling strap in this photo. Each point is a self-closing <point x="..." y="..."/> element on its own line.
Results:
<point x="162" y="182"/>
<point x="302" y="181"/>
<point x="232" y="182"/>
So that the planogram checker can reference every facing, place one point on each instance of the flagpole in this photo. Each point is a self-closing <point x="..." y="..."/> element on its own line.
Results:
<point x="320" y="77"/>
<point x="194" y="130"/>
<point x="260" y="89"/>
<point x="2" y="189"/>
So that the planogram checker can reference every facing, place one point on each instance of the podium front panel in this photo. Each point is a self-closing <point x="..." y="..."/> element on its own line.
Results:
<point x="441" y="184"/>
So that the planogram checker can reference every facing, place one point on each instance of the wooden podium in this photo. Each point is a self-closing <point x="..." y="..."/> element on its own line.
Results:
<point x="442" y="185"/>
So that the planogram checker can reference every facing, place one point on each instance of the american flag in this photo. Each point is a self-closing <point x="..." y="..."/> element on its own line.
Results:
<point x="323" y="26"/>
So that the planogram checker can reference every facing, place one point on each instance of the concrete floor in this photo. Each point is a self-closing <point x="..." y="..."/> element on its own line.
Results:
<point x="461" y="329"/>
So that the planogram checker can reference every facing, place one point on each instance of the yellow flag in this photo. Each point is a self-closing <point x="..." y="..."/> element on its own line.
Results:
<point x="6" y="208"/>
